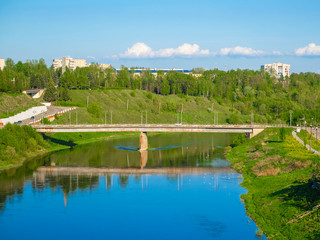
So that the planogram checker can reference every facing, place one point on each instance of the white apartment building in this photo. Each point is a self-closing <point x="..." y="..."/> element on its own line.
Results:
<point x="2" y="63"/>
<point x="278" y="69"/>
<point x="68" y="62"/>
<point x="104" y="66"/>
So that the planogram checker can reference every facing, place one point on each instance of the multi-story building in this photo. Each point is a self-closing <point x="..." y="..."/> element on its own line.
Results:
<point x="277" y="69"/>
<point x="2" y="63"/>
<point x="104" y="66"/>
<point x="67" y="62"/>
<point x="56" y="63"/>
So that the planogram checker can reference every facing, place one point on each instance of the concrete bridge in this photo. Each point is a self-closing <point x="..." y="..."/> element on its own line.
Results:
<point x="249" y="130"/>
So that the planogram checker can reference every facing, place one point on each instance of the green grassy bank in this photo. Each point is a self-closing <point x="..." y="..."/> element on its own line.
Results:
<point x="19" y="143"/>
<point x="278" y="175"/>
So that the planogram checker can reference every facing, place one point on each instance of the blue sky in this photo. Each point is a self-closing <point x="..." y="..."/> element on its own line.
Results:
<point x="164" y="34"/>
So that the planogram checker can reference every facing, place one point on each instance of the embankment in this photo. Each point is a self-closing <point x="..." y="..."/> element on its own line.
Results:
<point x="277" y="173"/>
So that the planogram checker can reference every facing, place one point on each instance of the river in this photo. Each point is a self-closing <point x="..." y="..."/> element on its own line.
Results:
<point x="182" y="188"/>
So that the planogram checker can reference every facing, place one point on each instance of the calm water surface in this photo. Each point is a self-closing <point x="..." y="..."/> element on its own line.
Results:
<point x="190" y="192"/>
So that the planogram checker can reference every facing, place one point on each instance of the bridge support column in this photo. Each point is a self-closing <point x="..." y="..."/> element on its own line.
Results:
<point x="248" y="135"/>
<point x="143" y="141"/>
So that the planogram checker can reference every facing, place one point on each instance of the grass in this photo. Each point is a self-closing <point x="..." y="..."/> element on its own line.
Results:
<point x="11" y="104"/>
<point x="304" y="135"/>
<point x="278" y="177"/>
<point x="160" y="109"/>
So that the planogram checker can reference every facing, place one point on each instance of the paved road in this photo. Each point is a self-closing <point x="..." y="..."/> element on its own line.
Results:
<point x="50" y="112"/>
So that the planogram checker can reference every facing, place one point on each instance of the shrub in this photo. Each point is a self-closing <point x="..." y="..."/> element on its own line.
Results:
<point x="94" y="109"/>
<point x="133" y="94"/>
<point x="149" y="95"/>
<point x="233" y="119"/>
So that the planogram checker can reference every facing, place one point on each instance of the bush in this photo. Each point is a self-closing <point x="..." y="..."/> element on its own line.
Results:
<point x="94" y="109"/>
<point x="149" y="95"/>
<point x="233" y="119"/>
<point x="133" y="94"/>
<point x="16" y="140"/>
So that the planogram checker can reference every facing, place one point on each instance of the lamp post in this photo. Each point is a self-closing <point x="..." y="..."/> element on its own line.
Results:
<point x="290" y="117"/>
<point x="310" y="136"/>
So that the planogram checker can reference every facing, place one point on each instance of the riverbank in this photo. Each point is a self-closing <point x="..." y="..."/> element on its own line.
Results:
<point x="278" y="174"/>
<point x="22" y="143"/>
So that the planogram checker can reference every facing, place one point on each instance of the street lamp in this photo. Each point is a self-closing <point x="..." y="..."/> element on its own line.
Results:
<point x="310" y="136"/>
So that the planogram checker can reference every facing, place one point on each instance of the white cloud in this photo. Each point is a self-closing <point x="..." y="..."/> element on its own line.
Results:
<point x="310" y="50"/>
<point x="91" y="57"/>
<point x="240" y="51"/>
<point x="138" y="50"/>
<point x="142" y="50"/>
<point x="276" y="53"/>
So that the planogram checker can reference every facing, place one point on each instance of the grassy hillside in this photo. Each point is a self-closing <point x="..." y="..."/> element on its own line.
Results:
<point x="18" y="143"/>
<point x="278" y="175"/>
<point x="160" y="109"/>
<point x="15" y="103"/>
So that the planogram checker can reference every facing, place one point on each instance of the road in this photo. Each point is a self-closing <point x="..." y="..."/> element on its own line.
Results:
<point x="50" y="112"/>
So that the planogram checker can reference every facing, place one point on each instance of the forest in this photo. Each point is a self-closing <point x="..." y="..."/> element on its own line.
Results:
<point x="244" y="90"/>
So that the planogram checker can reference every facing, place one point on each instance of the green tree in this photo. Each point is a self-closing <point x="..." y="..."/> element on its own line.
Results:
<point x="50" y="94"/>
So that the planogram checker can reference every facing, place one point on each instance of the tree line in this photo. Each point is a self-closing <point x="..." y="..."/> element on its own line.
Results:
<point x="242" y="90"/>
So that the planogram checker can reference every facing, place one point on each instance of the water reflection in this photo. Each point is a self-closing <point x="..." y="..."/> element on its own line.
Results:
<point x="184" y="190"/>
<point x="190" y="150"/>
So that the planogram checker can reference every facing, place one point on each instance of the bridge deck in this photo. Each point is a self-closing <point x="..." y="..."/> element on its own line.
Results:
<point x="150" y="128"/>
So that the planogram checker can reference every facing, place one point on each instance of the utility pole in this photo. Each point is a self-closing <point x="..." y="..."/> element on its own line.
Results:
<point x="290" y="117"/>
<point x="146" y="117"/>
<point x="252" y="117"/>
<point x="87" y="101"/>
<point x="181" y="112"/>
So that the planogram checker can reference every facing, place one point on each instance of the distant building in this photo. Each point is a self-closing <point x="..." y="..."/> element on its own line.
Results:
<point x="104" y="66"/>
<point x="277" y="69"/>
<point x="2" y="63"/>
<point x="68" y="62"/>
<point x="155" y="71"/>
<point x="56" y="63"/>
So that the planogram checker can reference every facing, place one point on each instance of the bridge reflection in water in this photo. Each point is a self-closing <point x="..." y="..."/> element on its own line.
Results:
<point x="72" y="178"/>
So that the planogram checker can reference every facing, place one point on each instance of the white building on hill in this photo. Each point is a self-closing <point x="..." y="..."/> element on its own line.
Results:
<point x="2" y="63"/>
<point x="68" y="62"/>
<point x="277" y="69"/>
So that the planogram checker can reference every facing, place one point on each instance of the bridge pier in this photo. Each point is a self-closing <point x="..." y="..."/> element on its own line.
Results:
<point x="143" y="145"/>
